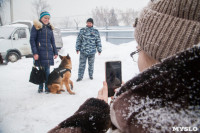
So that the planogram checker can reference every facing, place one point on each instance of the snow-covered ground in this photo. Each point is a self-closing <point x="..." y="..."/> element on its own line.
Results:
<point x="23" y="110"/>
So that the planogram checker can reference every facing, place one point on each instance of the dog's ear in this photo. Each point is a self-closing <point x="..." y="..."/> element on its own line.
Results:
<point x="68" y="57"/>
<point x="60" y="57"/>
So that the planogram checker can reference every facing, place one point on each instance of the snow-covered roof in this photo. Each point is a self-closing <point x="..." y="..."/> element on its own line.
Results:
<point x="26" y="21"/>
<point x="16" y="25"/>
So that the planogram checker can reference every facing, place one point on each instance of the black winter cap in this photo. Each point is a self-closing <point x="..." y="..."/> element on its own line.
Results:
<point x="90" y="20"/>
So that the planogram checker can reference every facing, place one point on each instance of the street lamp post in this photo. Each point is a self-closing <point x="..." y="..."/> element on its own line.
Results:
<point x="11" y="10"/>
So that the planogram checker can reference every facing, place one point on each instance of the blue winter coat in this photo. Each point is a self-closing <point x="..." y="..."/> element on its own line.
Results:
<point x="88" y="41"/>
<point x="43" y="43"/>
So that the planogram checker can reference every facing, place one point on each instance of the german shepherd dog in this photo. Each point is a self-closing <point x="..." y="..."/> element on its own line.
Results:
<point x="60" y="76"/>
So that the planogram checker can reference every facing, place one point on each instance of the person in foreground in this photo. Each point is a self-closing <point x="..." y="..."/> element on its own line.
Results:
<point x="43" y="45"/>
<point x="166" y="94"/>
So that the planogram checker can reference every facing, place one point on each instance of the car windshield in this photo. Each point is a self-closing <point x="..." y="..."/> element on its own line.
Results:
<point x="5" y="32"/>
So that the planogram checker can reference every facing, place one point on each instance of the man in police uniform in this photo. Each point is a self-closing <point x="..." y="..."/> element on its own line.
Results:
<point x="88" y="42"/>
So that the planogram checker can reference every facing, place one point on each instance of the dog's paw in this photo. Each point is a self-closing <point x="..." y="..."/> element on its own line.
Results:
<point x="72" y="93"/>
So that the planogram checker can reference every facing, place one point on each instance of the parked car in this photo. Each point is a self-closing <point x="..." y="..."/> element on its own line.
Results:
<point x="14" y="40"/>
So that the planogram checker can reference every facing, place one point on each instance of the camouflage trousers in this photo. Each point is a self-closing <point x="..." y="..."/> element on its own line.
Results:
<point x="82" y="63"/>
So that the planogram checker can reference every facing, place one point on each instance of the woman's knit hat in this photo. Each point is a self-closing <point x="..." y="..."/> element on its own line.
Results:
<point x="166" y="27"/>
<point x="44" y="13"/>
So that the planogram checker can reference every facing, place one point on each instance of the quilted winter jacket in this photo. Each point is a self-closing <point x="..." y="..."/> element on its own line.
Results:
<point x="165" y="96"/>
<point x="88" y="41"/>
<point x="43" y="43"/>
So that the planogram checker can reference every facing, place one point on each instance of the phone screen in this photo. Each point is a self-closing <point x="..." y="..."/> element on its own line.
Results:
<point x="113" y="76"/>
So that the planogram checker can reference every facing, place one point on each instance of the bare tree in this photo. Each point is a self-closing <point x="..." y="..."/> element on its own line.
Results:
<point x="77" y="23"/>
<point x="2" y="6"/>
<point x="39" y="6"/>
<point x="67" y="22"/>
<point x="104" y="17"/>
<point x="113" y="21"/>
<point x="128" y="17"/>
<point x="99" y="17"/>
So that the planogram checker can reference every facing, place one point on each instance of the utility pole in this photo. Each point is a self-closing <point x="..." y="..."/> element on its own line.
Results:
<point x="11" y="10"/>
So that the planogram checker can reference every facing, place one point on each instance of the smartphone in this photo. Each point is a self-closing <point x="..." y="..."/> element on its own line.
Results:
<point x="113" y="76"/>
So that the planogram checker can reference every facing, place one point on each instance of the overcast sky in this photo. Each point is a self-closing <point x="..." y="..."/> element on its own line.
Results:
<point x="62" y="8"/>
<point x="84" y="7"/>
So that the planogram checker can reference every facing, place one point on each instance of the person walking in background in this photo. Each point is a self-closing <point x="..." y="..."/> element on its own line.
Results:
<point x="166" y="94"/>
<point x="43" y="45"/>
<point x="88" y="41"/>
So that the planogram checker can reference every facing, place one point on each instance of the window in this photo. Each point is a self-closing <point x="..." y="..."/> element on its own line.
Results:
<point x="21" y="33"/>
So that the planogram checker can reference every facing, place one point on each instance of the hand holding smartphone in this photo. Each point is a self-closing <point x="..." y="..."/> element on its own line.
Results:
<point x="113" y="76"/>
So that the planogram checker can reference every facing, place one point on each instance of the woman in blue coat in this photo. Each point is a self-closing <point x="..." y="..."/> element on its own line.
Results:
<point x="43" y="45"/>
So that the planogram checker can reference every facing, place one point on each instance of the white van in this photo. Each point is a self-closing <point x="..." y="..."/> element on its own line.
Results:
<point x="14" y="40"/>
